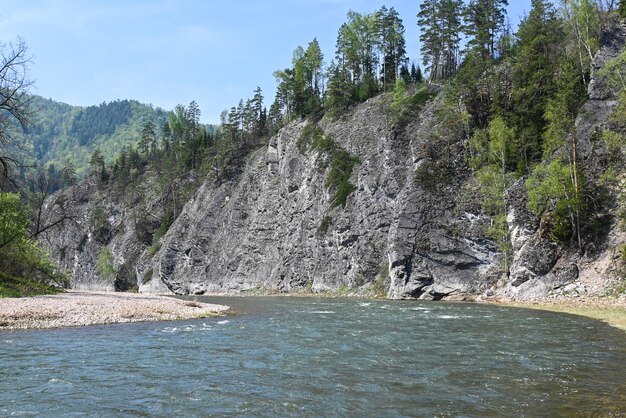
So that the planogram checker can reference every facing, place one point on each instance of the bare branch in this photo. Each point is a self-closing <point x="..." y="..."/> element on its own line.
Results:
<point x="14" y="100"/>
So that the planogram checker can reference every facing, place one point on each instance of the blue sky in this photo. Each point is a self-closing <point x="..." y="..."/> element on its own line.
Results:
<point x="167" y="52"/>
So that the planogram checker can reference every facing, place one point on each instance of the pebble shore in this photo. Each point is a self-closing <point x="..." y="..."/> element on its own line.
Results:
<point x="76" y="308"/>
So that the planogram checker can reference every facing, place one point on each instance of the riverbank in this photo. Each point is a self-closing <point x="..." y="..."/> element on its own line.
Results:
<point x="611" y="311"/>
<point x="74" y="308"/>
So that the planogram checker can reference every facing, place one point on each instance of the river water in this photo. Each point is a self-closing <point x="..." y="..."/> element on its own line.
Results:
<point x="322" y="357"/>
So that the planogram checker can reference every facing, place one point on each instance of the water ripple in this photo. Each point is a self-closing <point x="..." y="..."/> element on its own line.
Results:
<point x="317" y="357"/>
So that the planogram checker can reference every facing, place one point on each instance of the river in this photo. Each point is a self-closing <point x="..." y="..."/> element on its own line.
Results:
<point x="322" y="357"/>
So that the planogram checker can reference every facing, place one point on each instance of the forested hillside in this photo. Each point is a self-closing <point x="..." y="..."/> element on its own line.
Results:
<point x="59" y="134"/>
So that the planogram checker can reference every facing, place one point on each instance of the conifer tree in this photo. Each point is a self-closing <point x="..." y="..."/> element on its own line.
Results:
<point x="534" y="78"/>
<point x="440" y="27"/>
<point x="147" y="143"/>
<point x="392" y="45"/>
<point x="484" y="21"/>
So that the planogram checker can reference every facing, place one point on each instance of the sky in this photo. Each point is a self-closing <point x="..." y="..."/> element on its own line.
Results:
<point x="169" y="52"/>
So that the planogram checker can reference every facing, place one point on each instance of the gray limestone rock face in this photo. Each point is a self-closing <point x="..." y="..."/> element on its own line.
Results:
<point x="274" y="228"/>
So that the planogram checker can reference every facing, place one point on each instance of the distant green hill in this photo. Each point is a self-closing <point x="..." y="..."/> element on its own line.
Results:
<point x="59" y="133"/>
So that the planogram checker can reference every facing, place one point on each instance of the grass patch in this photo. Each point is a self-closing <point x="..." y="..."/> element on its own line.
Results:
<point x="15" y="287"/>
<point x="612" y="315"/>
<point x="404" y="108"/>
<point x="105" y="265"/>
<point x="153" y="249"/>
<point x="310" y="135"/>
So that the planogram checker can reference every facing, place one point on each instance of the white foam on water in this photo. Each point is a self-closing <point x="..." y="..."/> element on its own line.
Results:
<point x="169" y="330"/>
<point x="323" y="312"/>
<point x="226" y="321"/>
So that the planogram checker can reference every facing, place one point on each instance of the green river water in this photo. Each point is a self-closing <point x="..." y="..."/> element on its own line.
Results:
<point x="322" y="357"/>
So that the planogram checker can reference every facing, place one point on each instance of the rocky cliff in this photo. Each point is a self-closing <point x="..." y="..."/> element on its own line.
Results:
<point x="275" y="227"/>
<point x="410" y="225"/>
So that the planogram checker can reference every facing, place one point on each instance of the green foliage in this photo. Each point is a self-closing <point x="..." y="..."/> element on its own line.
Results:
<point x="16" y="287"/>
<point x="20" y="256"/>
<point x="583" y="18"/>
<point x="562" y="109"/>
<point x="94" y="121"/>
<point x="618" y="117"/>
<point x="494" y="180"/>
<point x="153" y="249"/>
<point x="365" y="43"/>
<point x="440" y="28"/>
<point x="550" y="187"/>
<point x="105" y="265"/>
<point x="484" y="21"/>
<point x="477" y="149"/>
<point x="616" y="147"/>
<point x="59" y="134"/>
<point x="539" y="45"/>
<point x="493" y="184"/>
<point x="96" y="161"/>
<point x="391" y="44"/>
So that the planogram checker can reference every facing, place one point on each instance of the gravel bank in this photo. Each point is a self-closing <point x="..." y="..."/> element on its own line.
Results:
<point x="93" y="308"/>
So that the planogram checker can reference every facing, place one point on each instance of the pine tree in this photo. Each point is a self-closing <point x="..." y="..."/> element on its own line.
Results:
<point x="260" y="119"/>
<point x="440" y="28"/>
<point x="96" y="161"/>
<point x="340" y="90"/>
<point x="313" y="59"/>
<point x="484" y="21"/>
<point x="430" y="37"/>
<point x="392" y="45"/>
<point x="147" y="143"/>
<point x="416" y="74"/>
